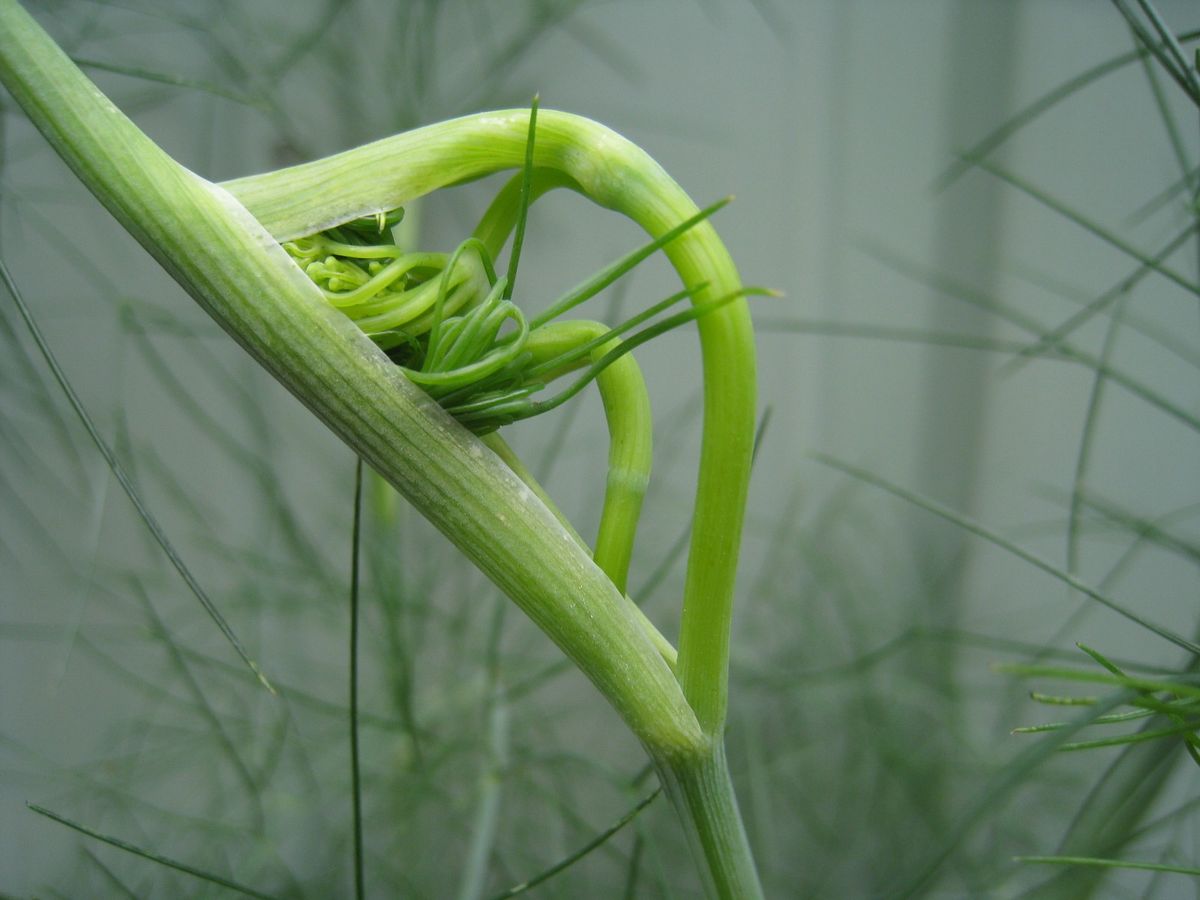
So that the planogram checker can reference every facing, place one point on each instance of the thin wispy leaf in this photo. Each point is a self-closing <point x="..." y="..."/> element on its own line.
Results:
<point x="150" y="854"/>
<point x="122" y="477"/>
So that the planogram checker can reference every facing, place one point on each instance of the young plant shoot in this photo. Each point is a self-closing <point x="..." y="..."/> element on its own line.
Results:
<point x="417" y="358"/>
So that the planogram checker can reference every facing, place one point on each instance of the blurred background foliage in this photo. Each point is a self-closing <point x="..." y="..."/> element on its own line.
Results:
<point x="1027" y="362"/>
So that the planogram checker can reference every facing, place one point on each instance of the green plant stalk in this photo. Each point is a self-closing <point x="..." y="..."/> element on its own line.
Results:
<point x="230" y="261"/>
<point x="630" y="455"/>
<point x="614" y="173"/>
<point x="622" y="390"/>
<point x="245" y="280"/>
<point x="581" y="154"/>
<point x="618" y="175"/>
<point x="498" y="446"/>
<point x="702" y="793"/>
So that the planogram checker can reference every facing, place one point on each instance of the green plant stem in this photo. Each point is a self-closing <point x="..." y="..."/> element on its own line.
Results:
<point x="622" y="388"/>
<point x="713" y="823"/>
<point x="616" y="174"/>
<point x="238" y="272"/>
<point x="498" y="446"/>
<point x="355" y="777"/>
<point x="223" y="247"/>
<point x="630" y="426"/>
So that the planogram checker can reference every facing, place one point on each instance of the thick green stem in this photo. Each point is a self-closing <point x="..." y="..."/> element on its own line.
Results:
<point x="498" y="446"/>
<point x="222" y="247"/>
<point x="616" y="174"/>
<point x="702" y="794"/>
<point x="246" y="281"/>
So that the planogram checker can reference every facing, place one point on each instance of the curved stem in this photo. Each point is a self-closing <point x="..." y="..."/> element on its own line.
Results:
<point x="246" y="281"/>
<point x="630" y="427"/>
<point x="622" y="390"/>
<point x="616" y="174"/>
<point x="498" y="446"/>
<point x="231" y="262"/>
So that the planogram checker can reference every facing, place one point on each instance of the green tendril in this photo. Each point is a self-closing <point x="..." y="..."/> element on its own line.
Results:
<point x="567" y="358"/>
<point x="526" y="193"/>
<point x="613" y="271"/>
<point x="441" y="317"/>
<point x="646" y="334"/>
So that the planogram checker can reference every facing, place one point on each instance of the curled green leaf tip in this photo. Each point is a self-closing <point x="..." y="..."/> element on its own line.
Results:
<point x="448" y="320"/>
